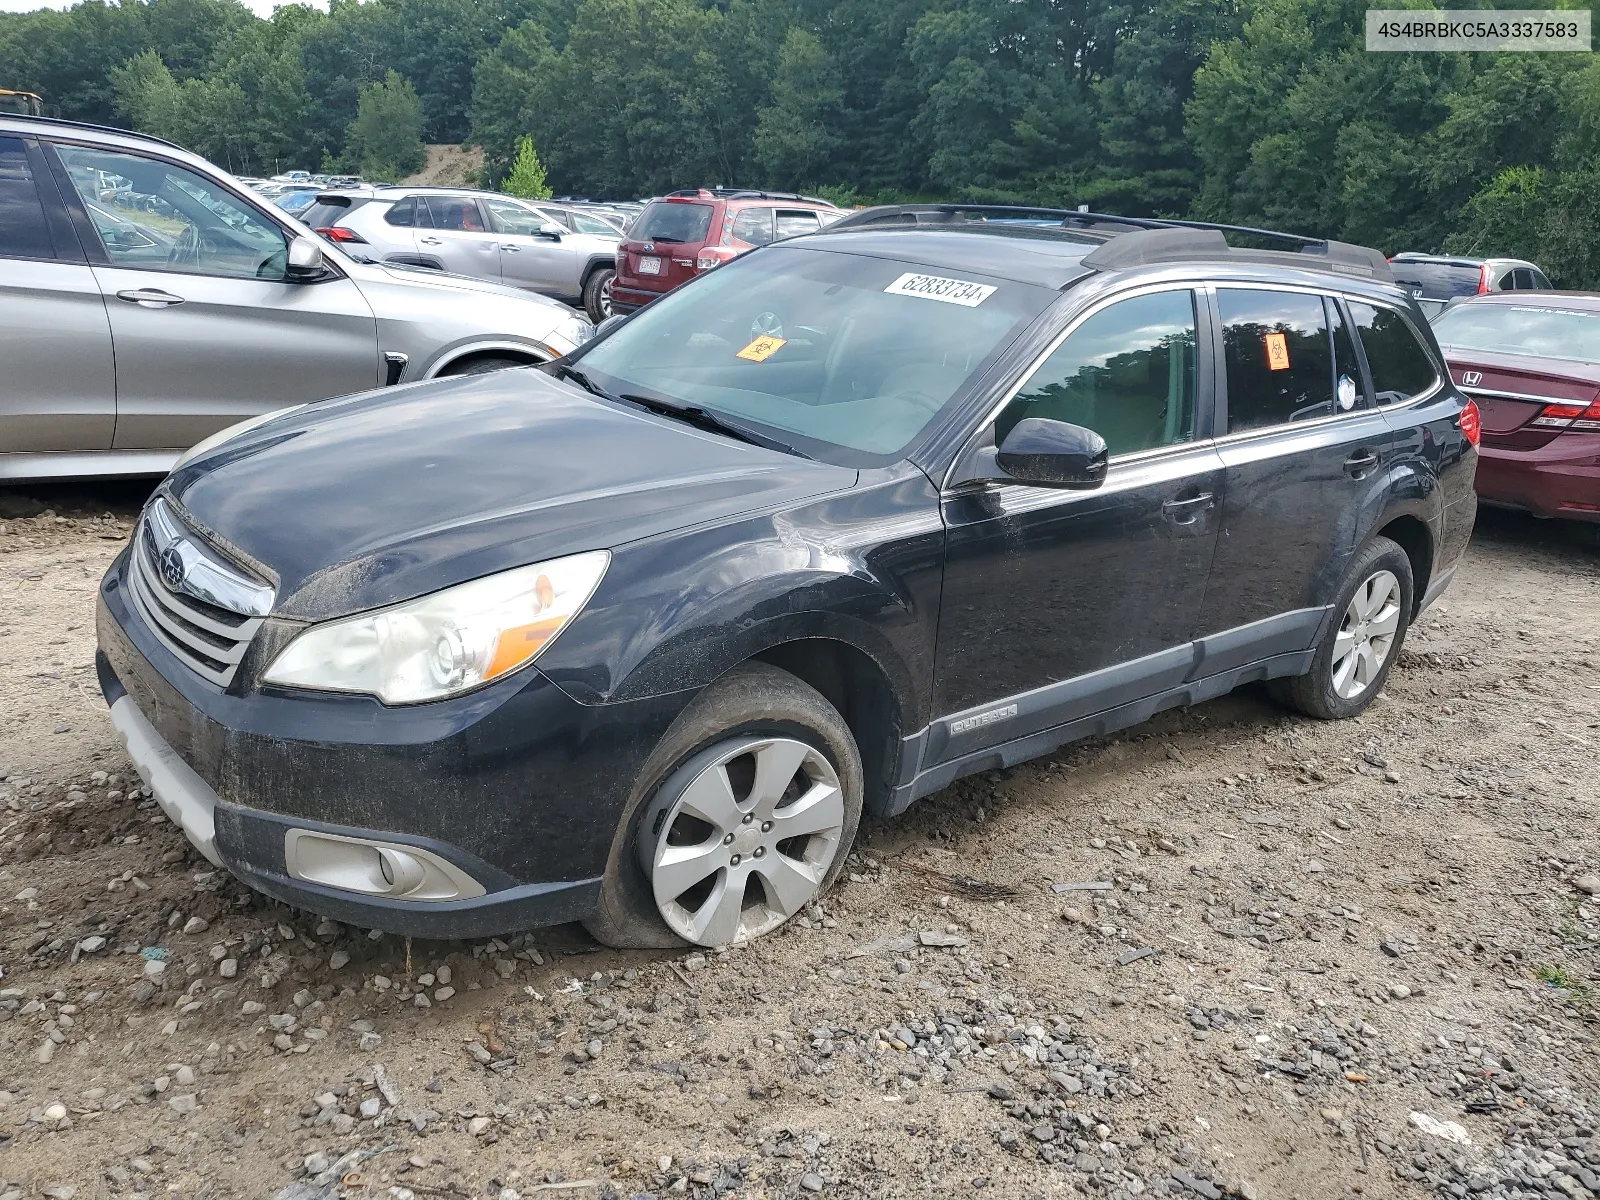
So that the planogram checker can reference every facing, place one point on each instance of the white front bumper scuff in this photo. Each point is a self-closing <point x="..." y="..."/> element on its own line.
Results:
<point x="187" y="799"/>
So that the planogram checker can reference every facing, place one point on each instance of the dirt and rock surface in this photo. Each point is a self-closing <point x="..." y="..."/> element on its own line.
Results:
<point x="1231" y="953"/>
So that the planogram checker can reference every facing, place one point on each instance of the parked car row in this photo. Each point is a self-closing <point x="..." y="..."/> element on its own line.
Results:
<point x="148" y="300"/>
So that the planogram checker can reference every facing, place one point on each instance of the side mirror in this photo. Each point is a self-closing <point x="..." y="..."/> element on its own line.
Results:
<point x="552" y="231"/>
<point x="610" y="323"/>
<point x="1054" y="454"/>
<point x="305" y="260"/>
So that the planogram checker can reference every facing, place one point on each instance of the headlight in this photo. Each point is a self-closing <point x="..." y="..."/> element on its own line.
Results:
<point x="446" y="643"/>
<point x="231" y="432"/>
<point x="575" y="331"/>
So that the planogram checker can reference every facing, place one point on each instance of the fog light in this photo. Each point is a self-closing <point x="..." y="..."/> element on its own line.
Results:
<point x="374" y="868"/>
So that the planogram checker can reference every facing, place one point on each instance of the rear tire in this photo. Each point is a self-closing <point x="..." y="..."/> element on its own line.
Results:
<point x="752" y="703"/>
<point x="597" y="293"/>
<point x="1371" y="614"/>
<point x="482" y="366"/>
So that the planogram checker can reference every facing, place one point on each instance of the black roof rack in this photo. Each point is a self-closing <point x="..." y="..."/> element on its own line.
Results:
<point x="1140" y="241"/>
<point x="63" y="122"/>
<point x="727" y="193"/>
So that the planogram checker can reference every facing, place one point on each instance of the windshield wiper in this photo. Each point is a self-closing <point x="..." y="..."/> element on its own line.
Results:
<point x="689" y="414"/>
<point x="663" y="238"/>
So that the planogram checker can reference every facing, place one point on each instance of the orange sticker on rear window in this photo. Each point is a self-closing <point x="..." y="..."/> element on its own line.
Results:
<point x="763" y="348"/>
<point x="1277" y="352"/>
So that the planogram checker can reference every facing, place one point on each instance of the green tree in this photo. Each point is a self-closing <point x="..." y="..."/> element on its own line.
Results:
<point x="527" y="174"/>
<point x="795" y="139"/>
<point x="385" y="139"/>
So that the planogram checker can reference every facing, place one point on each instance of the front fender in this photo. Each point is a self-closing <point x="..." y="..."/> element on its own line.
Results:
<point x="676" y="611"/>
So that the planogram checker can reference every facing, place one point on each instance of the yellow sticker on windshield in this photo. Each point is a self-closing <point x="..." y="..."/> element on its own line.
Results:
<point x="763" y="348"/>
<point x="1277" y="352"/>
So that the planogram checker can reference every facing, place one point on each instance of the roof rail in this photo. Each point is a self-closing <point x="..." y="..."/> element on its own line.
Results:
<point x="63" y="122"/>
<point x="727" y="193"/>
<point x="1139" y="241"/>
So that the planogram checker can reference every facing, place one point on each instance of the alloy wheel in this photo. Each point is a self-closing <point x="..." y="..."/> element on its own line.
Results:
<point x="605" y="295"/>
<point x="742" y="838"/>
<point x="1366" y="635"/>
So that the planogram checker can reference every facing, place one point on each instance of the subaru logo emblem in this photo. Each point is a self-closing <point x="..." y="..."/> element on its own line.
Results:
<point x="172" y="567"/>
<point x="1472" y="378"/>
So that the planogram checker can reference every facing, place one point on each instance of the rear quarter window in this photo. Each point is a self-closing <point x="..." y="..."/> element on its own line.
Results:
<point x="1401" y="367"/>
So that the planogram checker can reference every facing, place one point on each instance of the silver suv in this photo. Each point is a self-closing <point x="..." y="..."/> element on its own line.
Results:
<point x="560" y="252"/>
<point x="148" y="300"/>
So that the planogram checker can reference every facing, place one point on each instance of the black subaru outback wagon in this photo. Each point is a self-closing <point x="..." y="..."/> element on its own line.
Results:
<point x="636" y="638"/>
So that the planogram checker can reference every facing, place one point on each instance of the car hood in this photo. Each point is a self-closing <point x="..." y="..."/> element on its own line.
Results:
<point x="355" y="503"/>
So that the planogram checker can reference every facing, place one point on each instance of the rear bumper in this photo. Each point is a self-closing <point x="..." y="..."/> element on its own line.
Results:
<point x="627" y="298"/>
<point x="1559" y="479"/>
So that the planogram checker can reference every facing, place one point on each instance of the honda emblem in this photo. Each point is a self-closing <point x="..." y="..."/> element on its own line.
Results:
<point x="1471" y="378"/>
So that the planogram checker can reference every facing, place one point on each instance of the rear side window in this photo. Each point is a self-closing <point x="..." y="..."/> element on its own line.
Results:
<point x="402" y="213"/>
<point x="1127" y="373"/>
<point x="792" y="223"/>
<point x="1400" y="367"/>
<point x="1540" y="283"/>
<point x="456" y="213"/>
<point x="327" y="212"/>
<point x="673" y="221"/>
<point x="1278" y="356"/>
<point x="23" y="232"/>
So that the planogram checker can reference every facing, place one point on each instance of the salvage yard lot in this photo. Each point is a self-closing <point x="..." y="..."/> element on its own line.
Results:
<point x="1312" y="932"/>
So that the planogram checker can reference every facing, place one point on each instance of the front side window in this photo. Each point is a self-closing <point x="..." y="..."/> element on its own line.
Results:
<point x="844" y="356"/>
<point x="584" y="223"/>
<point x="23" y="232"/>
<point x="1278" y="356"/>
<point x="1400" y="367"/>
<point x="1346" y="374"/>
<point x="1128" y="373"/>
<point x="152" y="215"/>
<point x="505" y="217"/>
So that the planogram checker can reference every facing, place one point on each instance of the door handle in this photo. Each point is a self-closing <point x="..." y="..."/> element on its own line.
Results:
<point x="1187" y="511"/>
<point x="509" y="249"/>
<point x="1360" y="462"/>
<point x="430" y="241"/>
<point x="149" y="297"/>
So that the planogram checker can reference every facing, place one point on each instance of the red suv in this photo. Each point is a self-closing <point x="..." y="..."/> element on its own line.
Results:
<point x="678" y="236"/>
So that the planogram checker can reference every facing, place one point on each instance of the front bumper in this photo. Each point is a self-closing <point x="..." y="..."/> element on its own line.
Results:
<point x="516" y="788"/>
<point x="1559" y="479"/>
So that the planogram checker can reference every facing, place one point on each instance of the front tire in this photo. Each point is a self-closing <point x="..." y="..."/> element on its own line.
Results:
<point x="597" y="293"/>
<point x="743" y="815"/>
<point x="1353" y="660"/>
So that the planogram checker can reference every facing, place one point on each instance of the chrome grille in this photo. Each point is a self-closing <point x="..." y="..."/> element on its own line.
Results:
<point x="203" y="610"/>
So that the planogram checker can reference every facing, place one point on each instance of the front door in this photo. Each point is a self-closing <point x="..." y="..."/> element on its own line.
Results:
<point x="1058" y="604"/>
<point x="544" y="262"/>
<point x="57" y="387"/>
<point x="206" y="328"/>
<point x="1304" y="450"/>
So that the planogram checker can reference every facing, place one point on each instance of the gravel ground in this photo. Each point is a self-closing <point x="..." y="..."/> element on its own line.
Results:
<point x="1230" y="953"/>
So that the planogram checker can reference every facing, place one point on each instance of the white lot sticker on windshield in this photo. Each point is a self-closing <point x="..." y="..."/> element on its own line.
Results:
<point x="934" y="287"/>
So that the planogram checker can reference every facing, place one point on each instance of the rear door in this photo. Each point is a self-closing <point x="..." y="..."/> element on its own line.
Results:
<point x="457" y="234"/>
<point x="206" y="328"/>
<point x="57" y="384"/>
<point x="1302" y="443"/>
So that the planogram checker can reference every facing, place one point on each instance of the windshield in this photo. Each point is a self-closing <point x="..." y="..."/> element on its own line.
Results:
<point x="847" y="357"/>
<point x="673" y="221"/>
<point x="1565" y="333"/>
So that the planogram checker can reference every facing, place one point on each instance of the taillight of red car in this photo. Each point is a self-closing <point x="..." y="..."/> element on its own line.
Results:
<point x="337" y="233"/>
<point x="714" y="256"/>
<point x="1471" y="423"/>
<point x="1484" y="276"/>
<point x="1578" y="417"/>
